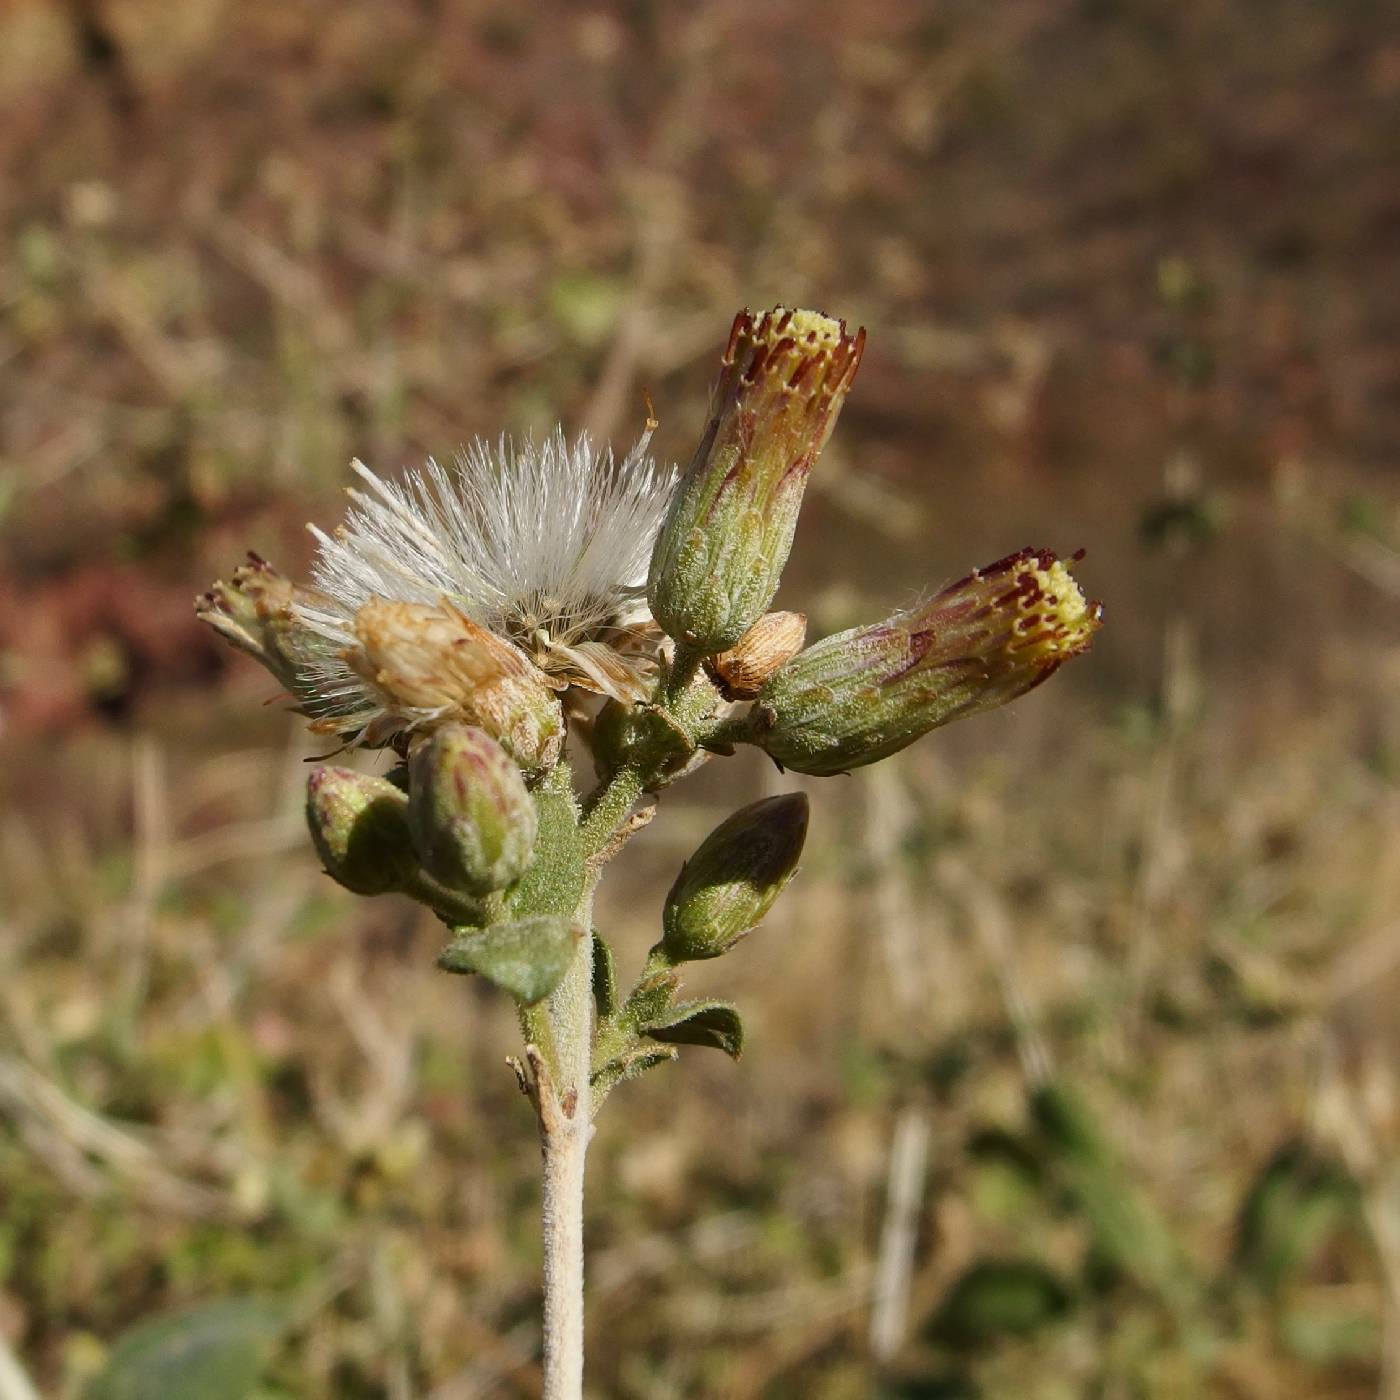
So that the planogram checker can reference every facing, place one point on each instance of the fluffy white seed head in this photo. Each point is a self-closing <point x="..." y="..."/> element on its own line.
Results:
<point x="545" y="544"/>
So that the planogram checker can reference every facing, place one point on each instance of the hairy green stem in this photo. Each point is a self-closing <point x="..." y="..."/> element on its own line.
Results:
<point x="563" y="1032"/>
<point x="565" y="1126"/>
<point x="721" y="735"/>
<point x="561" y="1029"/>
<point x="684" y="667"/>
<point x="605" y="809"/>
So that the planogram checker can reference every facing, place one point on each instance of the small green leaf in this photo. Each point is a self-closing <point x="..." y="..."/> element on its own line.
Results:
<point x="650" y="1000"/>
<point x="213" y="1352"/>
<point x="1000" y="1297"/>
<point x="1130" y="1234"/>
<point x="1068" y="1127"/>
<point x="527" y="958"/>
<point x="713" y="1023"/>
<point x="554" y="881"/>
<point x="604" y="978"/>
<point x="1294" y="1204"/>
<point x="628" y="1065"/>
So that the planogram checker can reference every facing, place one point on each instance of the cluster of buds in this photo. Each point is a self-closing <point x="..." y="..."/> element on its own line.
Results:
<point x="454" y="824"/>
<point x="854" y="698"/>
<point x="451" y="625"/>
<point x="462" y="620"/>
<point x="454" y="828"/>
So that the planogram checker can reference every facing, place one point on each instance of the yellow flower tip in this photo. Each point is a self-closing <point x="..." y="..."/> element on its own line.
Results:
<point x="1048" y="619"/>
<point x="812" y="328"/>
<point x="803" y="350"/>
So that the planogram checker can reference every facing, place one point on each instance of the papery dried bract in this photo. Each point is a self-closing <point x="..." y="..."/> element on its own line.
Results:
<point x="866" y="693"/>
<point x="768" y="645"/>
<point x="731" y="882"/>
<point x="729" y="528"/>
<point x="433" y="664"/>
<point x="471" y="817"/>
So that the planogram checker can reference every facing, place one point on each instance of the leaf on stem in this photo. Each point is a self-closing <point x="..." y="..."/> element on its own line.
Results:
<point x="629" y="1065"/>
<point x="604" y="977"/>
<point x="528" y="958"/>
<point x="713" y="1023"/>
<point x="215" y="1351"/>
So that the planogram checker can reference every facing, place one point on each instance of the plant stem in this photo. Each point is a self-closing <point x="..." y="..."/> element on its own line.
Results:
<point x="565" y="1127"/>
<point x="685" y="665"/>
<point x="564" y="1102"/>
<point x="604" y="809"/>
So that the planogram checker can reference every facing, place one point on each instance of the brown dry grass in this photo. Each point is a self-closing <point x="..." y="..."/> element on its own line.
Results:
<point x="1129" y="274"/>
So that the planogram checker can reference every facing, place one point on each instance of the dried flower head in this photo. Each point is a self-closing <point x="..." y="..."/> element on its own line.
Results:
<point x="527" y="561"/>
<point x="254" y="611"/>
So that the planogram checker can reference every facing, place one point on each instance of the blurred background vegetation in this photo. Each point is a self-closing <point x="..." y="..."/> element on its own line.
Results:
<point x="1073" y="1051"/>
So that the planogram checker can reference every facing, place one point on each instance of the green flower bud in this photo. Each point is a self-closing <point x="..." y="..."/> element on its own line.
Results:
<point x="360" y="826"/>
<point x="866" y="693"/>
<point x="729" y="528"/>
<point x="471" y="818"/>
<point x="730" y="883"/>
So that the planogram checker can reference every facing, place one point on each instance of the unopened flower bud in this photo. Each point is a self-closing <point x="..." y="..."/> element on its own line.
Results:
<point x="472" y="820"/>
<point x="360" y="826"/>
<point x="729" y="528"/>
<point x="730" y="883"/>
<point x="770" y="643"/>
<point x="436" y="665"/>
<point x="254" y="611"/>
<point x="864" y="694"/>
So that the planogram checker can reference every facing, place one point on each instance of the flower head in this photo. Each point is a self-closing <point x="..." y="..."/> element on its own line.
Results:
<point x="254" y="611"/>
<point x="866" y="693"/>
<point x="525" y="560"/>
<point x="720" y="554"/>
<point x="419" y="665"/>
